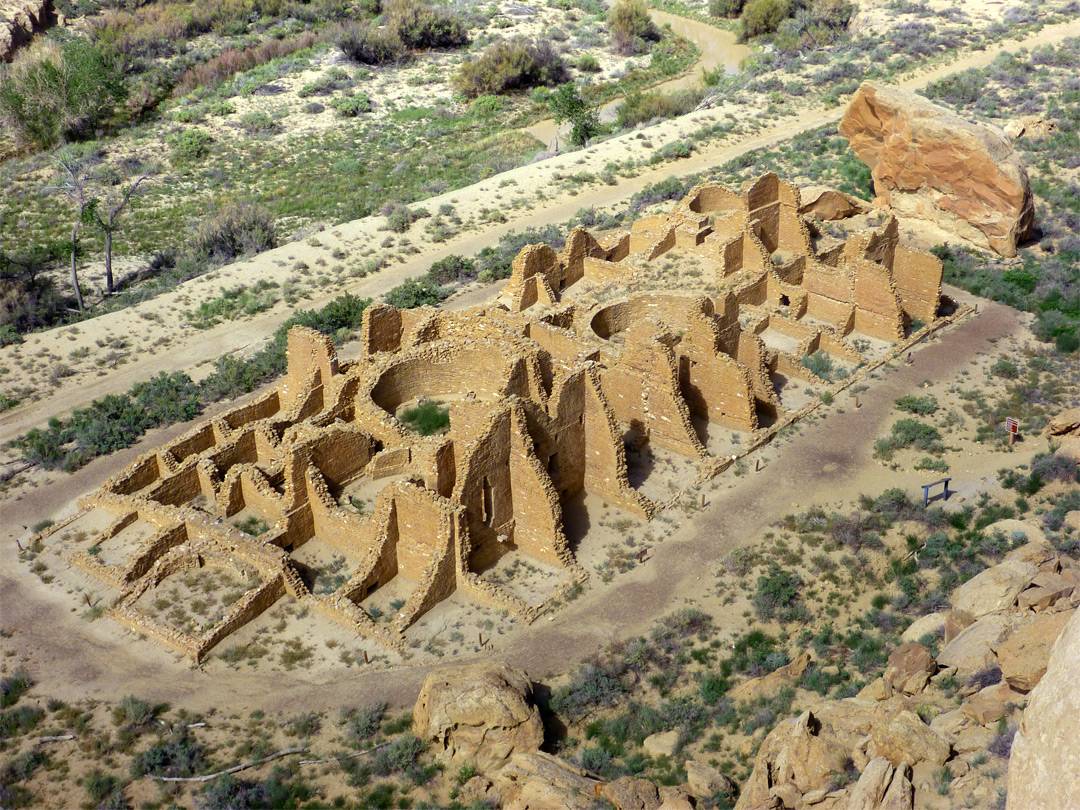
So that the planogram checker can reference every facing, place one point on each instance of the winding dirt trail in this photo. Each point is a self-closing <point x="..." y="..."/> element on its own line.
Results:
<point x="197" y="347"/>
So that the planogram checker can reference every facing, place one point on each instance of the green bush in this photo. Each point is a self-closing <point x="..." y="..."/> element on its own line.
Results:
<point x="189" y="145"/>
<point x="427" y="418"/>
<point x="909" y="433"/>
<point x="18" y="721"/>
<point x="351" y="106"/>
<point x="421" y="26"/>
<point x="99" y="785"/>
<point x="399" y="757"/>
<point x="235" y="230"/>
<point x="168" y="398"/>
<point x="177" y="755"/>
<point x="922" y="406"/>
<point x="726" y="8"/>
<point x="51" y="93"/>
<point x="13" y="687"/>
<point x="259" y="122"/>
<point x="363" y="722"/>
<point x="110" y="423"/>
<point x="415" y="292"/>
<point x="631" y="26"/>
<point x="371" y="45"/>
<point x="452" y="269"/>
<point x="764" y="16"/>
<point x="777" y="592"/>
<point x="514" y="64"/>
<point x="643" y="107"/>
<point x="587" y="63"/>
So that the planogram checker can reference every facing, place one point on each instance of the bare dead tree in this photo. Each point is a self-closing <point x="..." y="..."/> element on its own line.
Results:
<point x="71" y="181"/>
<point x="106" y="214"/>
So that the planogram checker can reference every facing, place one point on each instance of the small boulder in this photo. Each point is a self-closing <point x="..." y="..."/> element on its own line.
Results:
<point x="932" y="624"/>
<point x="909" y="669"/>
<point x="479" y="713"/>
<point x="994" y="589"/>
<point x="988" y="705"/>
<point x="1065" y="423"/>
<point x="704" y="781"/>
<point x="631" y="793"/>
<point x="976" y="738"/>
<point x="906" y="738"/>
<point x="873" y="782"/>
<point x="901" y="793"/>
<point x="829" y="204"/>
<point x="662" y="744"/>
<point x="1024" y="656"/>
<point x="955" y="621"/>
<point x="674" y="798"/>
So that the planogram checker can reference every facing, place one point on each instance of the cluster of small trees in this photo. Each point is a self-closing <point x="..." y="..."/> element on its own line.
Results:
<point x="796" y="23"/>
<point x="406" y="25"/>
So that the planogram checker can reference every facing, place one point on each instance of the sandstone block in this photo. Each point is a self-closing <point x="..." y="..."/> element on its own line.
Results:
<point x="909" y="669"/>
<point x="901" y="793"/>
<point x="830" y="204"/>
<point x="703" y="781"/>
<point x="662" y="744"/>
<point x="994" y="589"/>
<point x="478" y="714"/>
<point x="929" y="163"/>
<point x="977" y="738"/>
<point x="873" y="782"/>
<point x="1024" y="656"/>
<point x="539" y="781"/>
<point x="955" y="621"/>
<point x="631" y="793"/>
<point x="1045" y="750"/>
<point x="673" y="798"/>
<point x="930" y="624"/>
<point x="772" y="683"/>
<point x="973" y="647"/>
<point x="1065" y="422"/>
<point x="906" y="738"/>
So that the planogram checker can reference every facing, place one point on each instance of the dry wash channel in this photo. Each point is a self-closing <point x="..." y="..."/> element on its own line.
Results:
<point x="652" y="348"/>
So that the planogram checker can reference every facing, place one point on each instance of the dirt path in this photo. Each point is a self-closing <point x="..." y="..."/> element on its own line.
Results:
<point x="199" y="347"/>
<point x="828" y="465"/>
<point x="719" y="48"/>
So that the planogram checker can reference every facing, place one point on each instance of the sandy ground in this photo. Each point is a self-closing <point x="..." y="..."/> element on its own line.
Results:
<point x="156" y="336"/>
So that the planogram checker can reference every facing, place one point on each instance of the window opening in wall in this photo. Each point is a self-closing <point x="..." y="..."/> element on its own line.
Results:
<point x="785" y="301"/>
<point x="488" y="507"/>
<point x="553" y="466"/>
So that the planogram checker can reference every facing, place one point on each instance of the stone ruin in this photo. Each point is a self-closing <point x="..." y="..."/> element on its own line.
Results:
<point x="662" y="341"/>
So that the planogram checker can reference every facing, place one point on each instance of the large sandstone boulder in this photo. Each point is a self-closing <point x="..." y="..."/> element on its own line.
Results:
<point x="829" y="204"/>
<point x="478" y="714"/>
<point x="796" y="758"/>
<point x="539" y="781"/>
<point x="995" y="589"/>
<point x="932" y="624"/>
<point x="1065" y="423"/>
<point x="973" y="648"/>
<point x="704" y="781"/>
<point x="1023" y="657"/>
<point x="929" y="163"/>
<point x="1045" y="754"/>
<point x="768" y="685"/>
<point x="19" y="21"/>
<point x="906" y="738"/>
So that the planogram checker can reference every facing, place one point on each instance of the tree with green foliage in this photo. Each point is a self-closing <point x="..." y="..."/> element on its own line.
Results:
<point x="566" y="104"/>
<point x="52" y="93"/>
<point x="631" y="26"/>
<point x="764" y="16"/>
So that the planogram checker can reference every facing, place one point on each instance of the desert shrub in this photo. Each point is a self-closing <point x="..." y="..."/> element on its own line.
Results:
<point x="452" y="269"/>
<point x="631" y="27"/>
<point x="398" y="757"/>
<point x="13" y="687"/>
<point x="351" y="106"/>
<point x="677" y="626"/>
<point x="676" y="150"/>
<point x="280" y="790"/>
<point x="822" y="365"/>
<point x="921" y="406"/>
<point x="168" y="398"/>
<point x="756" y="653"/>
<point x="416" y="292"/>
<point x="764" y="16"/>
<point x="19" y="720"/>
<point x="99" y="785"/>
<point x="189" y="145"/>
<point x="370" y="45"/>
<point x="45" y="446"/>
<point x="596" y="684"/>
<point x="909" y="433"/>
<point x="52" y="93"/>
<point x="777" y="592"/>
<point x="726" y="8"/>
<point x="110" y="423"/>
<point x="496" y="262"/>
<point x="363" y="722"/>
<point x="258" y="122"/>
<point x="177" y="755"/>
<point x="235" y="230"/>
<point x="508" y="65"/>
<point x="399" y="218"/>
<point x="587" y="63"/>
<point x="421" y="26"/>
<point x="671" y="188"/>
<point x="642" y="107"/>
<point x="231" y="61"/>
<point x="427" y="418"/>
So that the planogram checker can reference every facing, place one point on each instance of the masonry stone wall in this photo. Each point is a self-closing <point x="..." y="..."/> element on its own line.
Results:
<point x="583" y="351"/>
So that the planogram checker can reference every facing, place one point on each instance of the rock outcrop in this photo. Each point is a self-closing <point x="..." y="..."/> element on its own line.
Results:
<point x="929" y="163"/>
<point x="1045" y="754"/>
<point x="829" y="204"/>
<point x="478" y="714"/>
<point x="19" y="21"/>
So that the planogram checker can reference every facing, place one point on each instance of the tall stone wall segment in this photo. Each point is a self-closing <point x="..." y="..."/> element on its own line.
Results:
<point x="584" y="353"/>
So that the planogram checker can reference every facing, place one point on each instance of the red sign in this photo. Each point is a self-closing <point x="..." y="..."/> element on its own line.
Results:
<point x="1012" y="425"/>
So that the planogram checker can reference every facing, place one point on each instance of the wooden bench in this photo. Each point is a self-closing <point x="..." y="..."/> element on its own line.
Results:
<point x="927" y="487"/>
